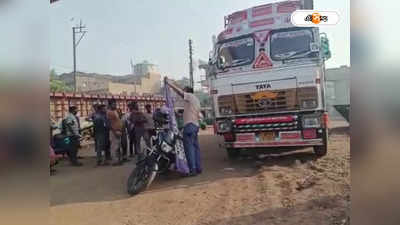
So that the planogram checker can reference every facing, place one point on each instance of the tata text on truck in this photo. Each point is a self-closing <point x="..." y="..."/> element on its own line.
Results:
<point x="267" y="81"/>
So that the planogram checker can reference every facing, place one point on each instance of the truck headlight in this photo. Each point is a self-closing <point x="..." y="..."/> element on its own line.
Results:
<point x="224" y="126"/>
<point x="309" y="104"/>
<point x="311" y="122"/>
<point x="227" y="110"/>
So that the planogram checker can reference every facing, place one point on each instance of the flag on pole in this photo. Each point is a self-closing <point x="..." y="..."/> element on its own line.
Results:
<point x="180" y="157"/>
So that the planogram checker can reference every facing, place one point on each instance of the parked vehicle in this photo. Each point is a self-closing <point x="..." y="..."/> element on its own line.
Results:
<point x="61" y="143"/>
<point x="160" y="156"/>
<point x="266" y="80"/>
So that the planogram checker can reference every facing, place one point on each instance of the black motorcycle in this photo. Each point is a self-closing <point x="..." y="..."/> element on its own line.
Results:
<point x="61" y="143"/>
<point x="160" y="156"/>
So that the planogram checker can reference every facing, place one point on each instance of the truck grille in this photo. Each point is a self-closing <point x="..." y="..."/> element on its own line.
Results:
<point x="266" y="127"/>
<point x="283" y="100"/>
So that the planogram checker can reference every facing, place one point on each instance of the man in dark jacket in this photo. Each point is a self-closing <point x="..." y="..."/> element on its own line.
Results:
<point x="131" y="131"/>
<point x="100" y="130"/>
<point x="70" y="128"/>
<point x="138" y="119"/>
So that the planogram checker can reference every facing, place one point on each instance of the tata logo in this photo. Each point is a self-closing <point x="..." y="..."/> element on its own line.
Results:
<point x="263" y="86"/>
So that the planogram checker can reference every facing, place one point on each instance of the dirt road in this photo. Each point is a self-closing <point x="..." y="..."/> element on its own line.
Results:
<point x="292" y="188"/>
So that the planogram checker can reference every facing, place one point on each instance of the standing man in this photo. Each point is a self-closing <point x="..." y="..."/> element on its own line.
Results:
<point x="191" y="116"/>
<point x="131" y="131"/>
<point x="138" y="119"/>
<point x="100" y="134"/>
<point x="125" y="135"/>
<point x="70" y="127"/>
<point x="115" y="131"/>
<point x="149" y="125"/>
<point x="95" y="108"/>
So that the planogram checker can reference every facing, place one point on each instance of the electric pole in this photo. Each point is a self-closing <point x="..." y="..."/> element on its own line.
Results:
<point x="133" y="74"/>
<point x="77" y="30"/>
<point x="191" y="63"/>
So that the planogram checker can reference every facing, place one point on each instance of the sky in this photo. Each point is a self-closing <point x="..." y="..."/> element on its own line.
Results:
<point x="158" y="31"/>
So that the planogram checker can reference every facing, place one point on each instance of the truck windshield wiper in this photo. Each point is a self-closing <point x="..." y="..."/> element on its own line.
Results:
<point x="285" y="55"/>
<point x="289" y="55"/>
<point x="239" y="61"/>
<point x="301" y="54"/>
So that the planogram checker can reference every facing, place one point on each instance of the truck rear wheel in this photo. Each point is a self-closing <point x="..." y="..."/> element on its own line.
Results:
<point x="233" y="153"/>
<point x="322" y="149"/>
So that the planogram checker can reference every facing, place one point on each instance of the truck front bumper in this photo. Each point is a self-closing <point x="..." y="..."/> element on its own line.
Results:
<point x="285" y="143"/>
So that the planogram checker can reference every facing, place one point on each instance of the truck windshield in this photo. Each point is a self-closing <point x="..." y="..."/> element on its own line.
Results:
<point x="291" y="44"/>
<point x="236" y="53"/>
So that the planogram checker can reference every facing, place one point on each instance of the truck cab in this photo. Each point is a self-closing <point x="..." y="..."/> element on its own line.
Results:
<point x="266" y="81"/>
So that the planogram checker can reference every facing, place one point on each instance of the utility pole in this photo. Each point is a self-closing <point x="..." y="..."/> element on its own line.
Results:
<point x="191" y="63"/>
<point x="133" y="73"/>
<point x="76" y="30"/>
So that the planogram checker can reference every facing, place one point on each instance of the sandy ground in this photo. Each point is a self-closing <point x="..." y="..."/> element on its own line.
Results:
<point x="291" y="188"/>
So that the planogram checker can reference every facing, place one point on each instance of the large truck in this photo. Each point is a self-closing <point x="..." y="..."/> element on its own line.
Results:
<point x="266" y="81"/>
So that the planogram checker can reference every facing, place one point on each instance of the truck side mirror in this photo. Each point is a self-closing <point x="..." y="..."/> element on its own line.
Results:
<point x="221" y="62"/>
<point x="314" y="47"/>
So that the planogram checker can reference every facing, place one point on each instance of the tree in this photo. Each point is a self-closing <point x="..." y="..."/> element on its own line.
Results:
<point x="57" y="85"/>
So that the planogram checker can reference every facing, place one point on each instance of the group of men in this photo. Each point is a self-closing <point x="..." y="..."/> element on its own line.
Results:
<point x="114" y="130"/>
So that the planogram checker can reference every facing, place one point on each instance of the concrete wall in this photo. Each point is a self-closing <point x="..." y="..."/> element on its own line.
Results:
<point x="151" y="83"/>
<point x="121" y="89"/>
<point x="338" y="86"/>
<point x="85" y="84"/>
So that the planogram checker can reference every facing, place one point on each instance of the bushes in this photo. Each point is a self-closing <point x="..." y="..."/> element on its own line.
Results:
<point x="203" y="125"/>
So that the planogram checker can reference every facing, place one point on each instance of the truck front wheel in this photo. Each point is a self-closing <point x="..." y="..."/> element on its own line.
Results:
<point x="233" y="153"/>
<point x="322" y="149"/>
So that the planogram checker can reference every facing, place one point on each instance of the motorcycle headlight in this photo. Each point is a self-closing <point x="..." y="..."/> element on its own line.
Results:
<point x="309" y="104"/>
<point x="311" y="122"/>
<point x="227" y="110"/>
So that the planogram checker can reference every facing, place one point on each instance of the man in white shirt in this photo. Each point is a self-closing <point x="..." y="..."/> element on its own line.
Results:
<point x="191" y="116"/>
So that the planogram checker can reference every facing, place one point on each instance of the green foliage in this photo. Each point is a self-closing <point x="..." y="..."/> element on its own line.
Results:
<point x="57" y="85"/>
<point x="203" y="125"/>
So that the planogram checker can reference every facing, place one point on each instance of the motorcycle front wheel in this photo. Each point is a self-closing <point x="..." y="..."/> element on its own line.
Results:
<point x="141" y="178"/>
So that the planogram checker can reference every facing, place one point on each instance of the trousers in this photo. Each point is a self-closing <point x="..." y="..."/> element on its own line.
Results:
<point x="191" y="147"/>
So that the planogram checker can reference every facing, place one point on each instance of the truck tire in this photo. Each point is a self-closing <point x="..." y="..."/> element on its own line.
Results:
<point x="321" y="150"/>
<point x="233" y="153"/>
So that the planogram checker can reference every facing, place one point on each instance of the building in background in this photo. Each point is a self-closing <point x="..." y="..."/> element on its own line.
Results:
<point x="143" y="68"/>
<point x="146" y="81"/>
